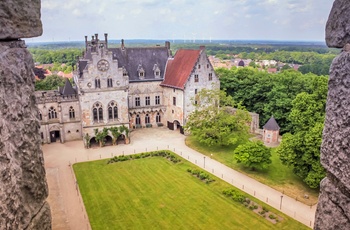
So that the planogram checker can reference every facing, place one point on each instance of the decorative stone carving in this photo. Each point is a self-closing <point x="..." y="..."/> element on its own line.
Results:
<point x="338" y="24"/>
<point x="23" y="189"/>
<point x="20" y="19"/>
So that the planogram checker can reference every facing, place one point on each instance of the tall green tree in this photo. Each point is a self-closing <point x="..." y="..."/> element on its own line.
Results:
<point x="253" y="154"/>
<point x="50" y="83"/>
<point x="214" y="123"/>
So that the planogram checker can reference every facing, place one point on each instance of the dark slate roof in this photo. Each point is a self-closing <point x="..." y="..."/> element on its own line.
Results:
<point x="67" y="89"/>
<point x="82" y="65"/>
<point x="146" y="57"/>
<point x="179" y="69"/>
<point x="271" y="124"/>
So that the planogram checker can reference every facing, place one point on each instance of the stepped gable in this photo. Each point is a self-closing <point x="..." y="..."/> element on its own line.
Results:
<point x="67" y="89"/>
<point x="271" y="124"/>
<point x="179" y="68"/>
<point x="132" y="59"/>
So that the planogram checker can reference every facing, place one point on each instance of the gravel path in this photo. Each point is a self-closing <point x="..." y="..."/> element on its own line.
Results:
<point x="66" y="204"/>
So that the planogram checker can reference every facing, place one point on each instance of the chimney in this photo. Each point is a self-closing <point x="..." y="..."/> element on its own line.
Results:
<point x="96" y="36"/>
<point x="167" y="45"/>
<point x="106" y="40"/>
<point x="86" y="43"/>
<point x="123" y="44"/>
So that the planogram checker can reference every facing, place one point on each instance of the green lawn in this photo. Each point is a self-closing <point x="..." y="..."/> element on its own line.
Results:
<point x="277" y="176"/>
<point x="154" y="193"/>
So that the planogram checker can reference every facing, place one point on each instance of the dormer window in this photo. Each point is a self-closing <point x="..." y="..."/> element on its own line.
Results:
<point x="141" y="72"/>
<point x="125" y="73"/>
<point x="156" y="71"/>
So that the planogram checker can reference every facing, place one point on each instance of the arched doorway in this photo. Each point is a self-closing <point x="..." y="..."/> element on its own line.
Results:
<point x="121" y="139"/>
<point x="108" y="141"/>
<point x="178" y="127"/>
<point x="55" y="135"/>
<point x="94" y="143"/>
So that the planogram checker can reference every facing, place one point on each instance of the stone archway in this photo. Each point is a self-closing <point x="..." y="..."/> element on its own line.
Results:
<point x="108" y="140"/>
<point x="121" y="139"/>
<point x="94" y="143"/>
<point x="55" y="134"/>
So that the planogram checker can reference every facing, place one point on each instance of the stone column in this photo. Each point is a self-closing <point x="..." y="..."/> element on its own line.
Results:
<point x="333" y="210"/>
<point x="23" y="189"/>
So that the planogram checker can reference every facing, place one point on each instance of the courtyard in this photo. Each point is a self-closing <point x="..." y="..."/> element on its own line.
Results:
<point x="66" y="203"/>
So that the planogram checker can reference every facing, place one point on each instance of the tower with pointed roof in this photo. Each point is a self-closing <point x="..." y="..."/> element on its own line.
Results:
<point x="271" y="131"/>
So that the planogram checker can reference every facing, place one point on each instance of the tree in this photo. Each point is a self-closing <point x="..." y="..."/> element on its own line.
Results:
<point x="50" y="83"/>
<point x="253" y="154"/>
<point x="213" y="123"/>
<point x="115" y="134"/>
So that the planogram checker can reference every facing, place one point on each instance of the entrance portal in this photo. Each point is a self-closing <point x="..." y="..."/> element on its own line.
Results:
<point x="54" y="135"/>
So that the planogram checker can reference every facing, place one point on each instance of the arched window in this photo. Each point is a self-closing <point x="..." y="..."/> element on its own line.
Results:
<point x="158" y="120"/>
<point x="52" y="113"/>
<point x="71" y="113"/>
<point x="138" y="120"/>
<point x="97" y="83"/>
<point x="112" y="110"/>
<point x="40" y="116"/>
<point x="97" y="112"/>
<point x="147" y="120"/>
<point x="109" y="82"/>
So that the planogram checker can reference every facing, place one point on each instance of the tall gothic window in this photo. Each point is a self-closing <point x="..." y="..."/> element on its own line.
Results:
<point x="138" y="120"/>
<point x="196" y="78"/>
<point x="52" y="113"/>
<point x="147" y="100"/>
<point x="109" y="82"/>
<point x="40" y="116"/>
<point x="71" y="112"/>
<point x="158" y="119"/>
<point x="137" y="101"/>
<point x="97" y="83"/>
<point x="97" y="112"/>
<point x="147" y="120"/>
<point x="112" y="110"/>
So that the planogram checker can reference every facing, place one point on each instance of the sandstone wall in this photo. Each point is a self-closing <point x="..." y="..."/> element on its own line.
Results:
<point x="23" y="189"/>
<point x="333" y="210"/>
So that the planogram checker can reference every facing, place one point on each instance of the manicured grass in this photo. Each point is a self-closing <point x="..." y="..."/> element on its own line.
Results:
<point x="154" y="193"/>
<point x="277" y="176"/>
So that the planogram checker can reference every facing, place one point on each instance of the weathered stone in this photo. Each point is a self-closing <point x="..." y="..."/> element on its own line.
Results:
<point x="338" y="24"/>
<point x="20" y="19"/>
<point x="335" y="151"/>
<point x="333" y="207"/>
<point x="23" y="187"/>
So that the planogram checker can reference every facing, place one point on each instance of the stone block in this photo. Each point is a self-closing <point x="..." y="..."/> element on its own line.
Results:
<point x="20" y="19"/>
<point x="23" y="183"/>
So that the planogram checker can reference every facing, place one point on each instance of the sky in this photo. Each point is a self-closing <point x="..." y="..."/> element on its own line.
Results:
<point x="71" y="20"/>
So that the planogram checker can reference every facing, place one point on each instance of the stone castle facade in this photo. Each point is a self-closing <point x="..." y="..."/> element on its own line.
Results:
<point x="134" y="87"/>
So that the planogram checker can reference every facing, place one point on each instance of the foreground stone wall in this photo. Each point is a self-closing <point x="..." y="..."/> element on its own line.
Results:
<point x="23" y="189"/>
<point x="333" y="210"/>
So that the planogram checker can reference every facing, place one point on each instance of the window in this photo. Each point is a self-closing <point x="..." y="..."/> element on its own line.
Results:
<point x="208" y="65"/>
<point x="40" y="116"/>
<point x="97" y="83"/>
<point x="210" y="76"/>
<point x="138" y="120"/>
<point x="196" y="79"/>
<point x="174" y="100"/>
<point x="42" y="135"/>
<point x="137" y="101"/>
<point x="195" y="91"/>
<point x="109" y="82"/>
<point x="142" y="74"/>
<point x="125" y="73"/>
<point x="157" y="73"/>
<point x="147" y="120"/>
<point x="71" y="113"/>
<point x="52" y="113"/>
<point x="157" y="101"/>
<point x="147" y="100"/>
<point x="97" y="112"/>
<point x="199" y="66"/>
<point x="158" y="120"/>
<point x="112" y="110"/>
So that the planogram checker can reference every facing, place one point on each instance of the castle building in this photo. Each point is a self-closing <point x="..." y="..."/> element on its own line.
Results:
<point x="136" y="87"/>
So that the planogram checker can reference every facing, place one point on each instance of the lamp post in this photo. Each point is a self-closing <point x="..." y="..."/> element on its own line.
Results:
<point x="281" y="202"/>
<point x="204" y="162"/>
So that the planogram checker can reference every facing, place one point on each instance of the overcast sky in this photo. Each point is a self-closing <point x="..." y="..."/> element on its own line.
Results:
<point x="65" y="20"/>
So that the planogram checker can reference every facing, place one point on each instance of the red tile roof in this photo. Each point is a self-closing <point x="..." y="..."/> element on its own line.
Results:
<point x="179" y="69"/>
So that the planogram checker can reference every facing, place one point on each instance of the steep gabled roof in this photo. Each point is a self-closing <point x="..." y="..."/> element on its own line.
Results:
<point x="67" y="89"/>
<point x="179" y="69"/>
<point x="133" y="59"/>
<point x="271" y="124"/>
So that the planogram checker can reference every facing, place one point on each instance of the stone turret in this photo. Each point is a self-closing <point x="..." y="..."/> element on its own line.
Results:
<point x="333" y="210"/>
<point x="24" y="189"/>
